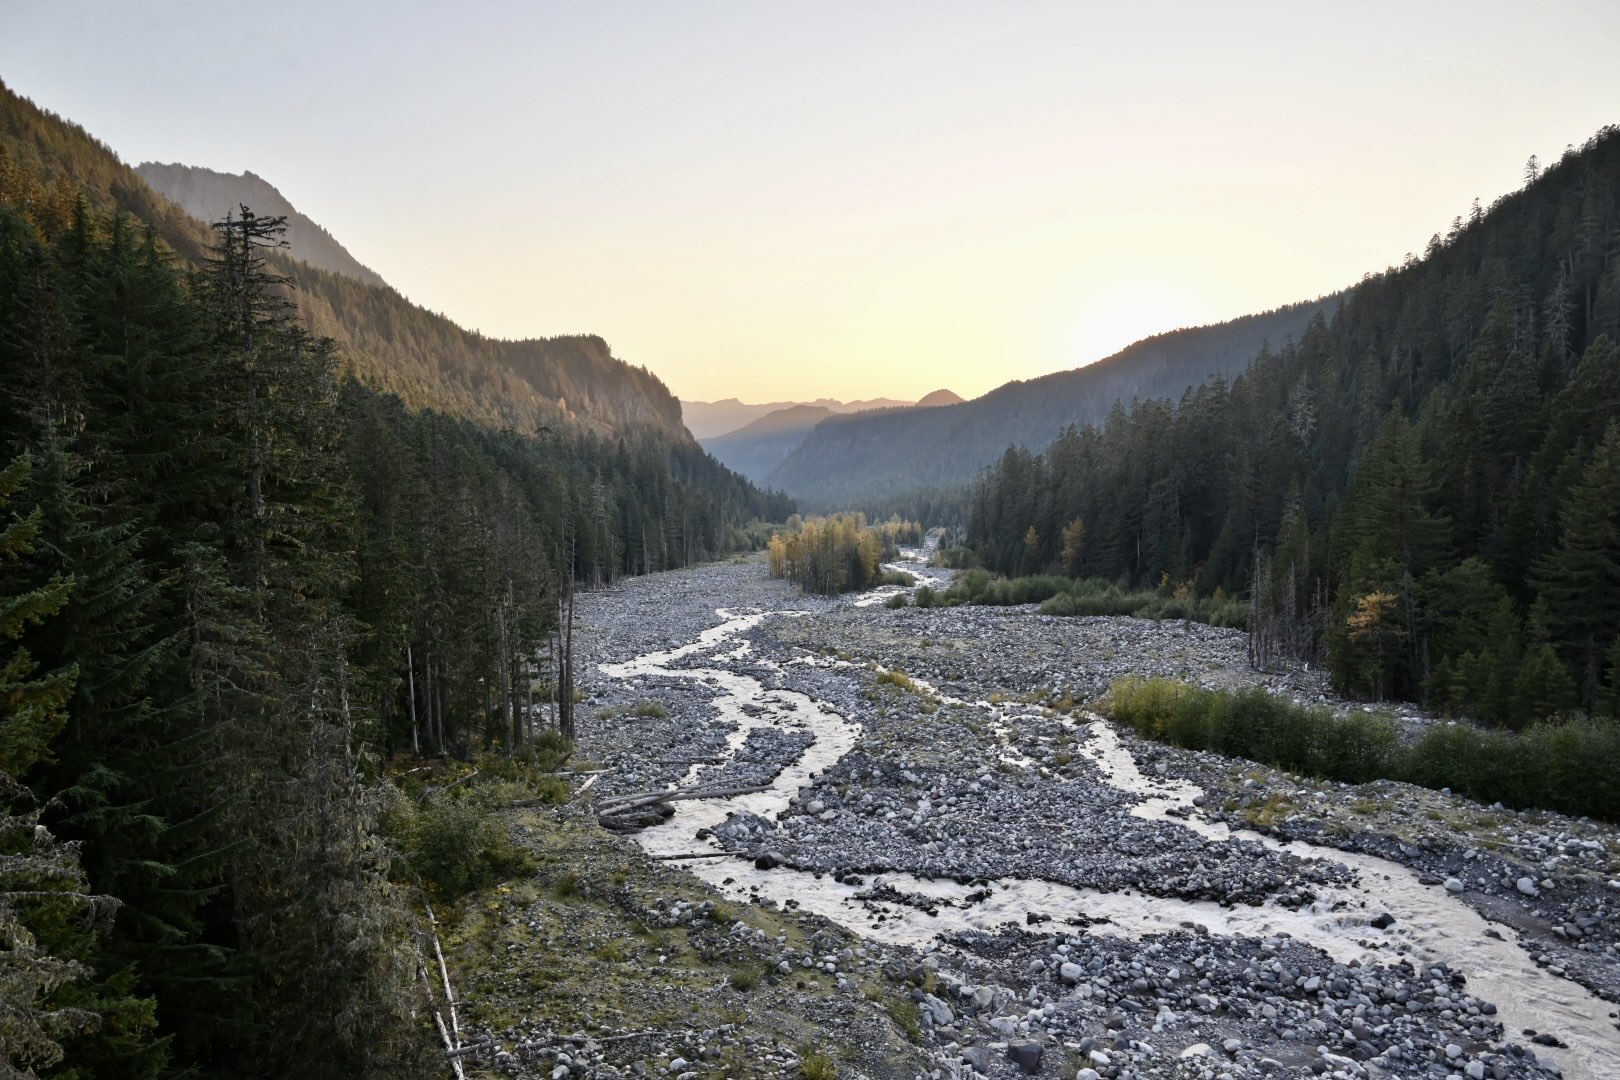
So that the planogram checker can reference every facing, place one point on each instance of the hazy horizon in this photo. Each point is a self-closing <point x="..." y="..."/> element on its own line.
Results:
<point x="840" y="202"/>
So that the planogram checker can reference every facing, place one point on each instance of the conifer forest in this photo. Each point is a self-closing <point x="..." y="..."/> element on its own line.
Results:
<point x="383" y="698"/>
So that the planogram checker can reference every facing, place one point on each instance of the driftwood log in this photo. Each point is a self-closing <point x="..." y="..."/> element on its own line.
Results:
<point x="626" y="813"/>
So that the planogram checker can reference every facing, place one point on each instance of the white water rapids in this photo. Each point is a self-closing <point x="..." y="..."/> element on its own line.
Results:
<point x="1431" y="925"/>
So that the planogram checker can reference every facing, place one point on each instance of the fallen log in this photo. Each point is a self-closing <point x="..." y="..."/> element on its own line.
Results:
<point x="612" y="800"/>
<point x="620" y="803"/>
<point x="547" y="1041"/>
<point x="639" y="818"/>
<point x="470" y="1048"/>
<point x="428" y="793"/>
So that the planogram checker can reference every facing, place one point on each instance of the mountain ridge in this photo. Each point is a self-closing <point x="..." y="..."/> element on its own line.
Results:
<point x="756" y="448"/>
<point x="879" y="459"/>
<point x="386" y="341"/>
<point x="712" y="419"/>
<point x="208" y="195"/>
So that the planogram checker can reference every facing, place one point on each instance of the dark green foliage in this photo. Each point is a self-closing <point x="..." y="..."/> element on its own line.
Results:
<point x="1566" y="766"/>
<point x="455" y="844"/>
<point x="1089" y="596"/>
<point x="234" y="584"/>
<point x="1579" y="579"/>
<point x="38" y="967"/>
<point x="1256" y="725"/>
<point x="1419" y="490"/>
<point x="980" y="587"/>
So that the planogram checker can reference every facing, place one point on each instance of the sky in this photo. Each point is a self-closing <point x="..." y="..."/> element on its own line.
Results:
<point x="788" y="201"/>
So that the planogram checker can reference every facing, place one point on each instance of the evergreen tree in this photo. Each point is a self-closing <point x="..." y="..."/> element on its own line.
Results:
<point x="40" y="877"/>
<point x="1579" y="581"/>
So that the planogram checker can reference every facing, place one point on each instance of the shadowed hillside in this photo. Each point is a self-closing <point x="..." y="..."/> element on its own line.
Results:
<point x="386" y="341"/>
<point x="866" y="458"/>
<point x="712" y="419"/>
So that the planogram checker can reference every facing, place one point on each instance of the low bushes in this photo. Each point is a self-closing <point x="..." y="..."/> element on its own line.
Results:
<point x="1086" y="596"/>
<point x="1566" y="766"/>
<point x="981" y="587"/>
<point x="454" y="843"/>
<point x="1091" y="596"/>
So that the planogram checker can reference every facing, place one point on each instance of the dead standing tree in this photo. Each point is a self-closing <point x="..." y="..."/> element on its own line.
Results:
<point x="563" y="685"/>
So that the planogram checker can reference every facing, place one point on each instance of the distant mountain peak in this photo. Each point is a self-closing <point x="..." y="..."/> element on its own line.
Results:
<point x="941" y="397"/>
<point x="712" y="419"/>
<point x="209" y="195"/>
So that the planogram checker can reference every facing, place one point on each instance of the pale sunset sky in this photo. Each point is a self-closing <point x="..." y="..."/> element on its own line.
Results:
<point x="775" y="201"/>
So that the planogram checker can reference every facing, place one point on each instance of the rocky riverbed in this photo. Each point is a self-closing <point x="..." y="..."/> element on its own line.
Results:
<point x="981" y="875"/>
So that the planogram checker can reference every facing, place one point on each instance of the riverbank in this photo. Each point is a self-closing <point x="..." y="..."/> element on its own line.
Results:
<point x="1075" y="899"/>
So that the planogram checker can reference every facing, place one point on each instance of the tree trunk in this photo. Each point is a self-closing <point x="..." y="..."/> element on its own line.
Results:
<point x="410" y="681"/>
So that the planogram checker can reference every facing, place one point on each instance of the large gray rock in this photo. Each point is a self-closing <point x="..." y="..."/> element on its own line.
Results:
<point x="978" y="1057"/>
<point x="1026" y="1055"/>
<point x="938" y="1010"/>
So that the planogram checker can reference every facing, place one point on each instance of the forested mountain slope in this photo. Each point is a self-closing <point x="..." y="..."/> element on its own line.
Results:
<point x="758" y="447"/>
<point x="233" y="584"/>
<point x="1430" y="476"/>
<point x="871" y="459"/>
<point x="208" y="195"/>
<point x="388" y="342"/>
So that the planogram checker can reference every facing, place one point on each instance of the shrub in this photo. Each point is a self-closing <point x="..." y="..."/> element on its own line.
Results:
<point x="896" y="577"/>
<point x="1565" y="765"/>
<point x="549" y="750"/>
<point x="816" y="1065"/>
<point x="553" y="790"/>
<point x="455" y="844"/>
<point x="897" y="678"/>
<point x="898" y="600"/>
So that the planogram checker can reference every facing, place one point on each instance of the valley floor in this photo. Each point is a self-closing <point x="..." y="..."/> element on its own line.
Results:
<point x="933" y="857"/>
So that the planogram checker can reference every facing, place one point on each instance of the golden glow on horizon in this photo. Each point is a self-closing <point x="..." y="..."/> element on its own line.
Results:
<point x="853" y="201"/>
